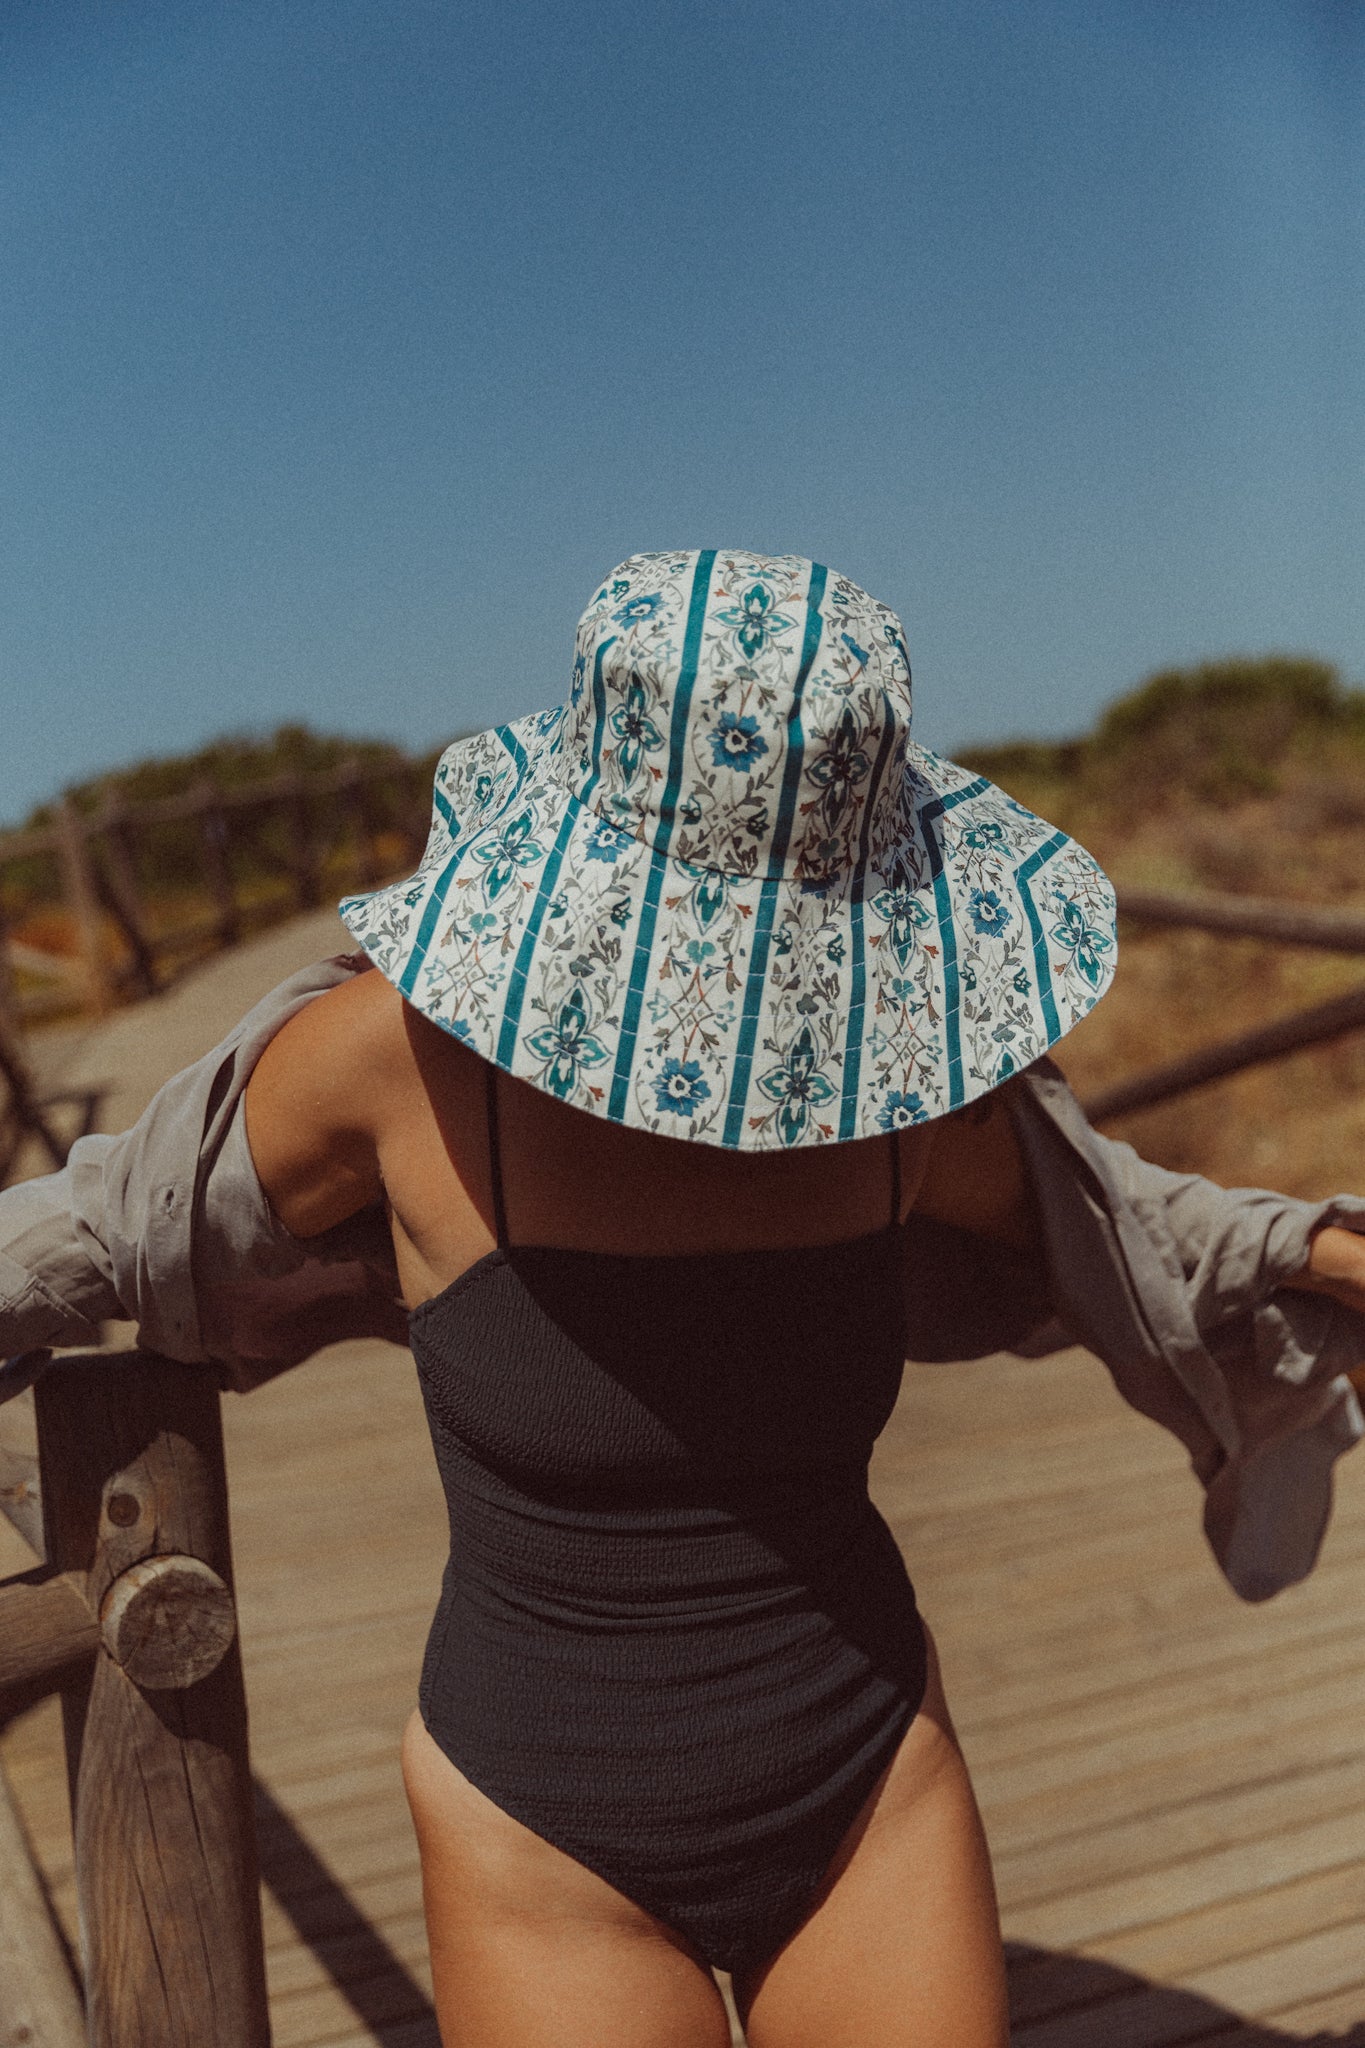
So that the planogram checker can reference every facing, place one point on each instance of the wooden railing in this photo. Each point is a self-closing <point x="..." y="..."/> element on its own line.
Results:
<point x="1251" y="917"/>
<point x="130" y="1616"/>
<point x="97" y="856"/>
<point x="379" y="809"/>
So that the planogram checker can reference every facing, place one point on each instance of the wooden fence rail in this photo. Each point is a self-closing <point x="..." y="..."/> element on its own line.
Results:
<point x="1250" y="917"/>
<point x="130" y="1617"/>
<point x="1274" y="923"/>
<point x="97" y="856"/>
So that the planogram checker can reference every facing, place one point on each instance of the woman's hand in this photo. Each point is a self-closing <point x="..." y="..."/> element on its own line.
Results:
<point x="1336" y="1266"/>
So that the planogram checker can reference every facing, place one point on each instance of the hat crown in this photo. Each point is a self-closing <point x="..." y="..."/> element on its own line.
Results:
<point x="742" y="712"/>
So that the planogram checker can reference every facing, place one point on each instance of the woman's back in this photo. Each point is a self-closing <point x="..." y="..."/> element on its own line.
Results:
<point x="397" y="1108"/>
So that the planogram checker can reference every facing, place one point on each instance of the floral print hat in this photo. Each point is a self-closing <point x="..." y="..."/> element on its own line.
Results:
<point x="722" y="895"/>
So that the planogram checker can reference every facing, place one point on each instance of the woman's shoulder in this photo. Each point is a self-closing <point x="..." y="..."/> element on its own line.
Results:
<point x="974" y="1175"/>
<point x="316" y="1099"/>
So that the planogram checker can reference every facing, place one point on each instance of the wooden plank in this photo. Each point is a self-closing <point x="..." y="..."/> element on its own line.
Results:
<point x="1067" y="2003"/>
<point x="381" y="1900"/>
<point x="327" y="1958"/>
<point x="376" y="1967"/>
<point x="1082" y="1623"/>
<point x="303" y="2017"/>
<point x="1149" y="2016"/>
<point x="1331" y="1959"/>
<point x="412" y="2034"/>
<point x="1175" y="1698"/>
<point x="1160" y="1748"/>
<point x="1085" y="1891"/>
<point x="1344" y="2008"/>
<point x="31" y="1754"/>
<point x="350" y="1841"/>
<point x="1242" y="1920"/>
<point x="1025" y="1674"/>
<point x="39" y="2001"/>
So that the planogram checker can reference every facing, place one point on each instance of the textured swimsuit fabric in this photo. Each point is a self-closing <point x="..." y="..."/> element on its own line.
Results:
<point x="674" y="1638"/>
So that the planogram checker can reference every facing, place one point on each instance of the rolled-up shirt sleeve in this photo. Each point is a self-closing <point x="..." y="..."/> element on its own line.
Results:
<point x="56" y="1282"/>
<point x="1178" y="1285"/>
<point x="166" y="1226"/>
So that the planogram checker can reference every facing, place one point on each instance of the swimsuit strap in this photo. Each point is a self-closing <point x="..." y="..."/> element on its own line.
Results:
<point x="495" y="1153"/>
<point x="895" y="1177"/>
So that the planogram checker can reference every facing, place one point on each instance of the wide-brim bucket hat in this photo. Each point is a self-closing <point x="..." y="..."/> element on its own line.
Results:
<point x="722" y="895"/>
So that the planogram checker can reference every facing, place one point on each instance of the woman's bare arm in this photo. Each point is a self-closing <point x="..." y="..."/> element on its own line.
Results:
<point x="975" y="1178"/>
<point x="313" y="1105"/>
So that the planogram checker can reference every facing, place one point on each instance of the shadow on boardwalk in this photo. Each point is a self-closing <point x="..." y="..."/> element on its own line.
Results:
<point x="371" y="1977"/>
<point x="1062" y="2001"/>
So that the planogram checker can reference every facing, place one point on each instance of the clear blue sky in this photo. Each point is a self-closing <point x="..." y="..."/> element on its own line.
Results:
<point x="345" y="343"/>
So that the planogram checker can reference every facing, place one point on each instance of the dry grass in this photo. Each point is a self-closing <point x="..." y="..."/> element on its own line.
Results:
<point x="1298" y="1123"/>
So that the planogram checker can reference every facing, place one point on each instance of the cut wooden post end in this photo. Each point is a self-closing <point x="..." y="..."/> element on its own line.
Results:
<point x="168" y="1621"/>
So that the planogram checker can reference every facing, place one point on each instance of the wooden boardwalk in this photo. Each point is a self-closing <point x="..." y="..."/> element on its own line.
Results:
<point x="1173" y="1783"/>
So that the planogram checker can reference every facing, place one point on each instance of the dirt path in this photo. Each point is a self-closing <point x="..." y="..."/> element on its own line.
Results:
<point x="125" y="1058"/>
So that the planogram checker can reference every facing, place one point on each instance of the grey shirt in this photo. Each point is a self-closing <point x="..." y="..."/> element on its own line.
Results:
<point x="1173" y="1282"/>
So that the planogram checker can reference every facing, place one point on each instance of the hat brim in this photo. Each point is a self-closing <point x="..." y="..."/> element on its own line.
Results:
<point x="750" y="1012"/>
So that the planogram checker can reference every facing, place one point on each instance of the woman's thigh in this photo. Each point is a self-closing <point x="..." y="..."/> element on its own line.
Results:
<point x="903" y="1947"/>
<point x="531" y="1950"/>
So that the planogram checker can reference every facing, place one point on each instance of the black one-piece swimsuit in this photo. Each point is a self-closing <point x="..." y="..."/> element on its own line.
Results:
<point x="674" y="1638"/>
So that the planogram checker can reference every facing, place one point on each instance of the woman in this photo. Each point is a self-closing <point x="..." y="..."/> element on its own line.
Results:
<point x="678" y="1708"/>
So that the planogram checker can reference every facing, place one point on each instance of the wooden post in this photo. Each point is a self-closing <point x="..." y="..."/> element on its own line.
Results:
<point x="417" y="814"/>
<point x="305" y="857"/>
<point x="82" y="900"/>
<point x="9" y="1000"/>
<point x="354" y="794"/>
<point x="22" y="1115"/>
<point x="116" y="831"/>
<point x="213" y="830"/>
<point x="134" y="1494"/>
